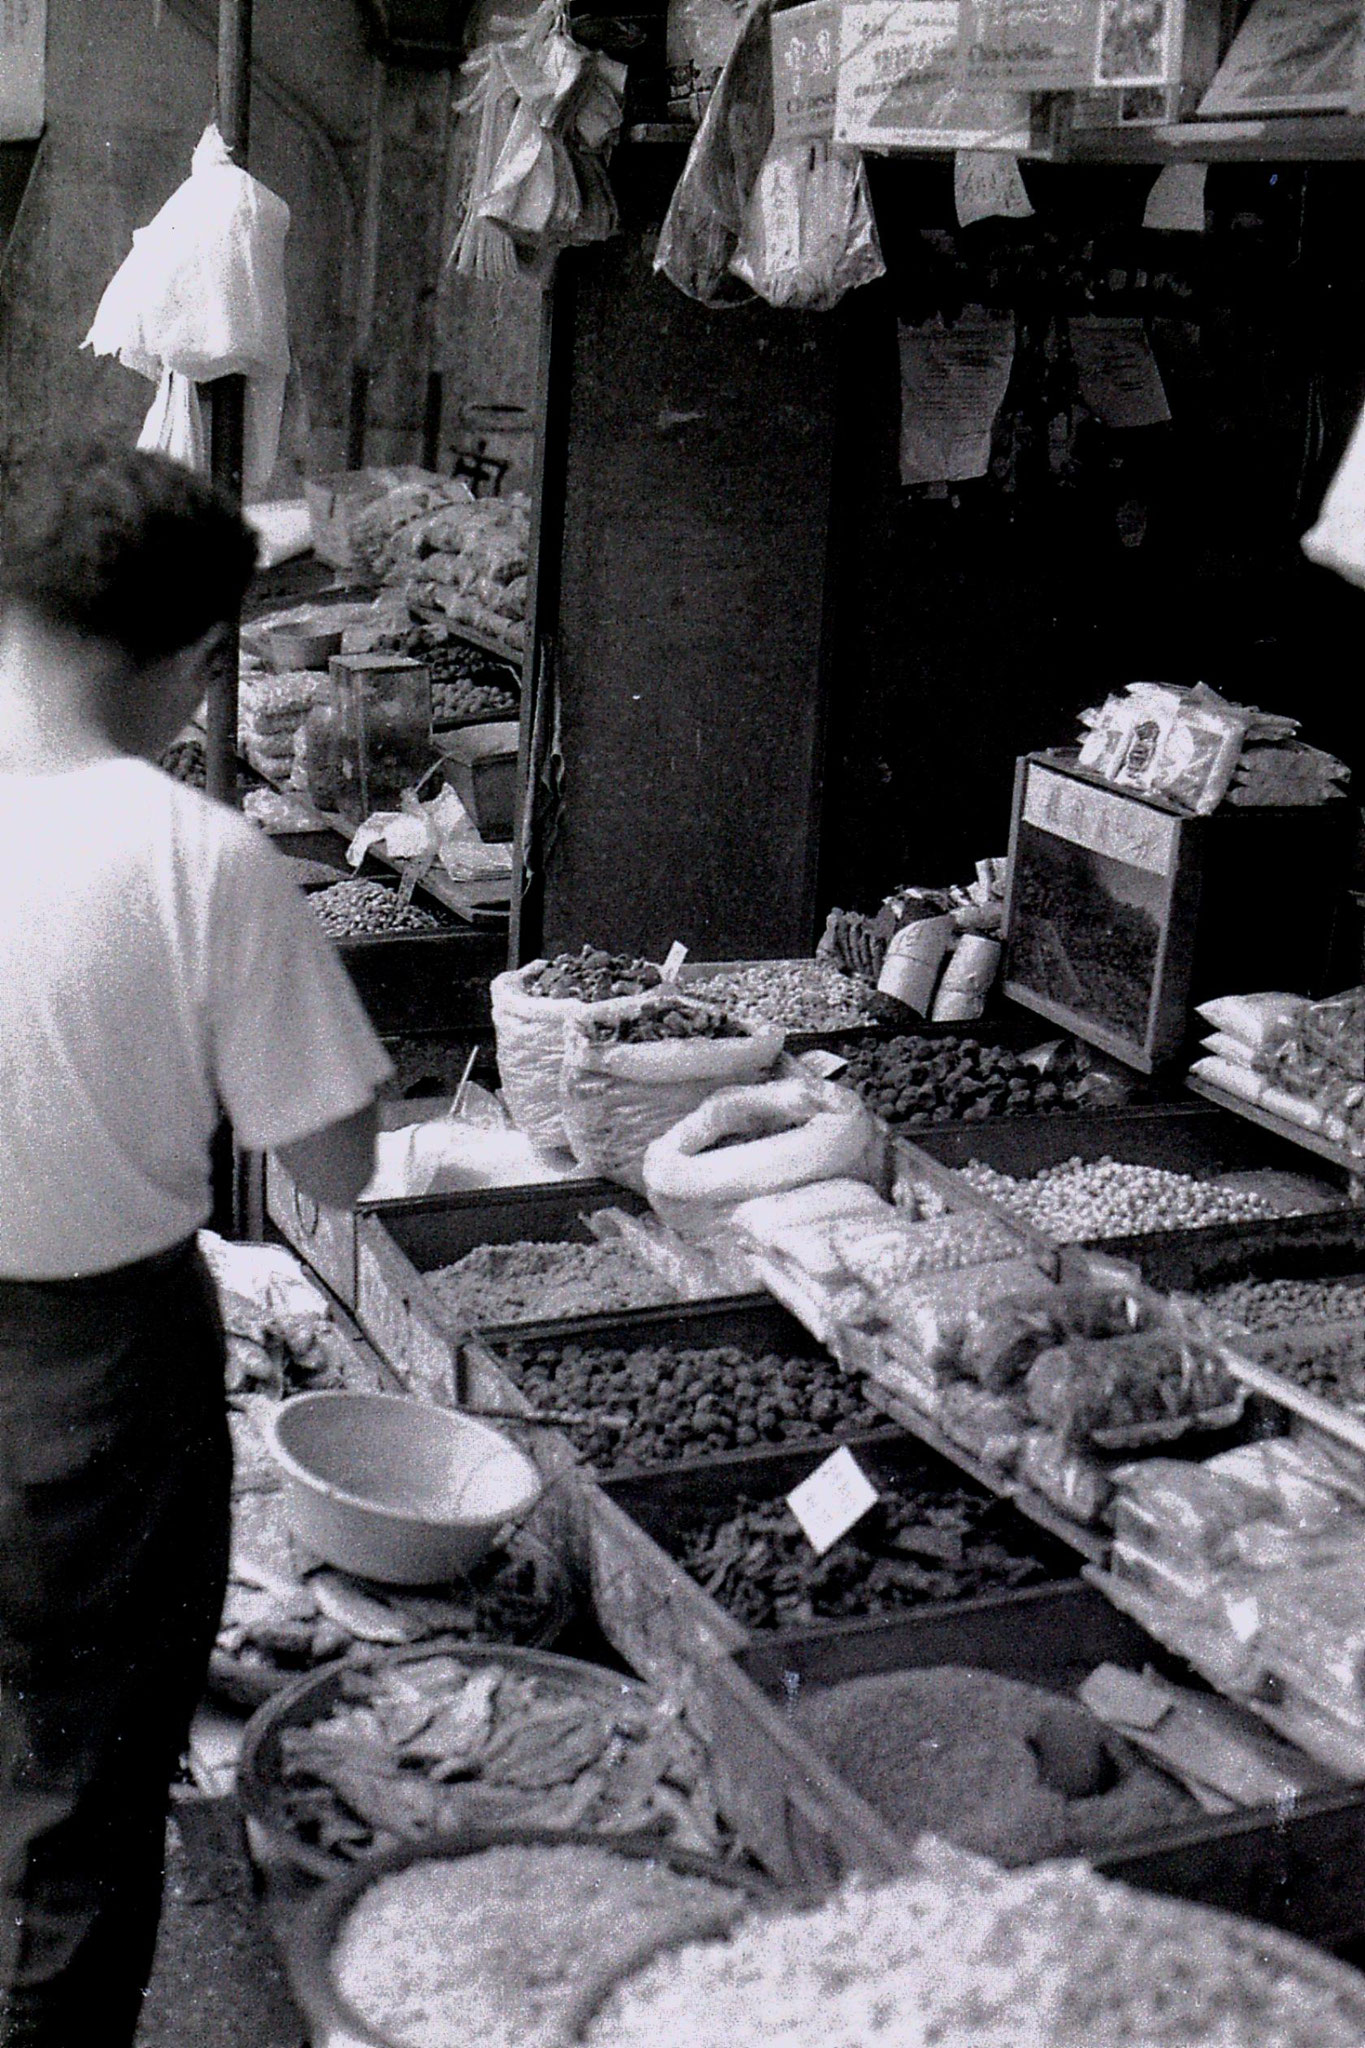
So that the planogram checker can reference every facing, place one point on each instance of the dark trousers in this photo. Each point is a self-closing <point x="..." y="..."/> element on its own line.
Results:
<point x="115" y="1484"/>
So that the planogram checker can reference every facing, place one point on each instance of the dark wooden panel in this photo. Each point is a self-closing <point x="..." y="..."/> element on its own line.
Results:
<point x="695" y="510"/>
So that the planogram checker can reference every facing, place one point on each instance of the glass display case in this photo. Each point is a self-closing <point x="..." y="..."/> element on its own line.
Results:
<point x="368" y="735"/>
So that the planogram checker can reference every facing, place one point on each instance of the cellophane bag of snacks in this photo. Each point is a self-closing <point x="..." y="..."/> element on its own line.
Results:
<point x="531" y="1006"/>
<point x="632" y="1069"/>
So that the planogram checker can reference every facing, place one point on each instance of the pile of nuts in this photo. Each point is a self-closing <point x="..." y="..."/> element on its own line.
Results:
<point x="802" y="995"/>
<point x="663" y="1019"/>
<point x="1084" y="1199"/>
<point x="955" y="1543"/>
<point x="690" y="1403"/>
<point x="357" y="909"/>
<point x="593" y="976"/>
<point x="1328" y="1361"/>
<point x="464" y="699"/>
<point x="1271" y="1304"/>
<point x="917" y="1080"/>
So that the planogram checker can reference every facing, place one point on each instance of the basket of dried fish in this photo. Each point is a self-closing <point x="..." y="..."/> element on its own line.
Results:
<point x="496" y="1935"/>
<point x="368" y="1757"/>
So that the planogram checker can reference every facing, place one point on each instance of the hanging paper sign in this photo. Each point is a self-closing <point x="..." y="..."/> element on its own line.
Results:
<point x="805" y="53"/>
<point x="1175" y="204"/>
<point x="23" y="79"/>
<point x="900" y="83"/>
<point x="952" y="382"/>
<point x="1289" y="57"/>
<point x="1028" y="45"/>
<point x="1138" y="42"/>
<point x="987" y="185"/>
<point x="1118" y="373"/>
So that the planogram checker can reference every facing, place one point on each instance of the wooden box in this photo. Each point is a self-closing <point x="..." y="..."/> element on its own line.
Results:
<point x="1124" y="911"/>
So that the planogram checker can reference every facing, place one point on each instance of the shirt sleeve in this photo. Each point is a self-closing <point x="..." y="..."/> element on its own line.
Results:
<point x="293" y="1050"/>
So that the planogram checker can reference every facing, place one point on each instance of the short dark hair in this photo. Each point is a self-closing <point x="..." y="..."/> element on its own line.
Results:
<point x="126" y="546"/>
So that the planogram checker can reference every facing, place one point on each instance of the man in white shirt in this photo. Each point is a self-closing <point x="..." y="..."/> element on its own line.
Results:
<point x="157" y="967"/>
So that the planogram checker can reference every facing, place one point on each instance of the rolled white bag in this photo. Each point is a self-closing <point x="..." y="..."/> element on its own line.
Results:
<point x="913" y="959"/>
<point x="747" y="1142"/>
<point x="967" y="979"/>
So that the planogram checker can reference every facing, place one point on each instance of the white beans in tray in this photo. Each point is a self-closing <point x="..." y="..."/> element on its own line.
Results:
<point x="358" y="909"/>
<point x="1083" y="1199"/>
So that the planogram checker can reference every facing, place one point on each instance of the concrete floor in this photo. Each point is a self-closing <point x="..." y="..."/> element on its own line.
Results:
<point x="217" y="1981"/>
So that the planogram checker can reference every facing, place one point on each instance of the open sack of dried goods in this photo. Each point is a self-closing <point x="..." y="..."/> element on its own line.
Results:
<point x="960" y="1954"/>
<point x="1008" y="1769"/>
<point x="634" y="1067"/>
<point x="530" y="1007"/>
<point x="747" y="1142"/>
<point x="491" y="1942"/>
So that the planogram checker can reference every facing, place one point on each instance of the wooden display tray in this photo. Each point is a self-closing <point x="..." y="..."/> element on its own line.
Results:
<point x="1316" y="1245"/>
<point x="1300" y="1869"/>
<point x="327" y="1238"/>
<point x="1350" y="1163"/>
<point x="660" y="1620"/>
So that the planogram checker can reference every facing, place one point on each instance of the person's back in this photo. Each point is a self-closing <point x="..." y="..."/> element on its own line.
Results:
<point x="157" y="968"/>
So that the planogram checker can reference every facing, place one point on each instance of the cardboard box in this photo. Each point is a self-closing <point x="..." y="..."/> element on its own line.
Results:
<point x="901" y="85"/>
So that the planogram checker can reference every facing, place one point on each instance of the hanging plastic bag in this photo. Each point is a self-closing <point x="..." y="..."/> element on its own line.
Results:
<point x="548" y="113"/>
<point x="809" y="235"/>
<point x="705" y="217"/>
<point x="202" y="293"/>
<point x="175" y="424"/>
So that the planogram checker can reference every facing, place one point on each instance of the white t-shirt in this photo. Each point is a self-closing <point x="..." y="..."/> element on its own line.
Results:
<point x="156" y="963"/>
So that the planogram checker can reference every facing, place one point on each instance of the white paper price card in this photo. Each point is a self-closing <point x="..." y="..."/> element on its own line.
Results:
<point x="673" y="965"/>
<point x="824" y="1065"/>
<point x="837" y="1494"/>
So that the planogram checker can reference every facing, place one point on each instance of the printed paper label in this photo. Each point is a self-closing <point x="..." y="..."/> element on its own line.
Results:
<point x="837" y="1494"/>
<point x="673" y="965"/>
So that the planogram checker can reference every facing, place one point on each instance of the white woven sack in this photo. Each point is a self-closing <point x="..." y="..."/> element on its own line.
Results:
<point x="617" y="1099"/>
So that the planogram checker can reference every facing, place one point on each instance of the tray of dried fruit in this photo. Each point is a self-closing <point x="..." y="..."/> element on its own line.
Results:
<point x="970" y="1722"/>
<point x="365" y="1757"/>
<point x="695" y="1561"/>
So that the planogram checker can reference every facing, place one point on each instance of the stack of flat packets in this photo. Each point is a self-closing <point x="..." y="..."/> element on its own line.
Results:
<point x="1286" y="771"/>
<point x="1300" y="1060"/>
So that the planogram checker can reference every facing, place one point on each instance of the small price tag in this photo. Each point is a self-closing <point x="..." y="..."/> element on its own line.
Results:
<point x="673" y="965"/>
<point x="414" y="871"/>
<point x="837" y="1494"/>
<point x="824" y="1065"/>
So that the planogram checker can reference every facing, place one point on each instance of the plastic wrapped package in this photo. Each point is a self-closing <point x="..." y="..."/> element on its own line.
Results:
<point x="1120" y="1392"/>
<point x="1003" y="1345"/>
<point x="696" y="1272"/>
<point x="1076" y="1484"/>
<point x="1312" y="1633"/>
<point x="904" y="1377"/>
<point x="991" y="1428"/>
<point x="744" y="1143"/>
<point x="1174" y="1510"/>
<point x="936" y="1317"/>
<point x="1176" y="1582"/>
<point x="616" y="1099"/>
<point x="1260" y="1021"/>
<point x="808" y="235"/>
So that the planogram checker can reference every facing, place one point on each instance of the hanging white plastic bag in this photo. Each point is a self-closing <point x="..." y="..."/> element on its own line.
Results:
<point x="809" y="235"/>
<point x="175" y="424"/>
<point x="202" y="293"/>
<point x="705" y="217"/>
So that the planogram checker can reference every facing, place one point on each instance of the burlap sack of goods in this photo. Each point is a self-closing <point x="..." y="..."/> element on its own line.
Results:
<point x="530" y="1041"/>
<point x="745" y="1142"/>
<point x="617" y="1099"/>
